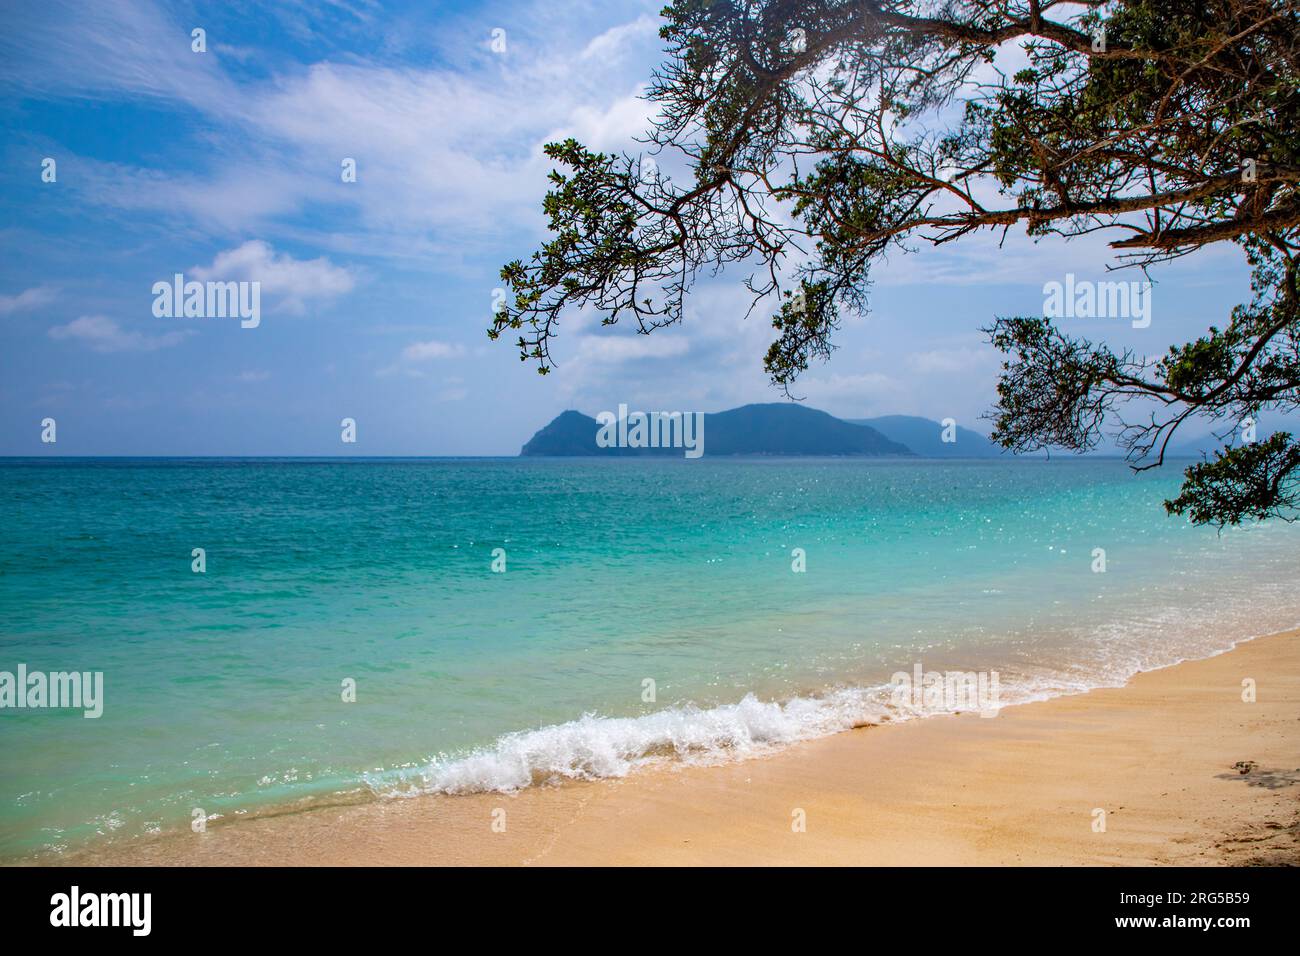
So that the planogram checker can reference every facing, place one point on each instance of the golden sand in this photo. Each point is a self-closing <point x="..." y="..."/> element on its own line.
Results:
<point x="1163" y="757"/>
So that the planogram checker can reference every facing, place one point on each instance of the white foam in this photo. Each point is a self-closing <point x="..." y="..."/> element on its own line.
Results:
<point x="1202" y="623"/>
<point x="593" y="747"/>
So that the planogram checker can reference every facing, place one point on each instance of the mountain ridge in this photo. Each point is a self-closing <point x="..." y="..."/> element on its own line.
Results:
<point x="778" y="429"/>
<point x="925" y="437"/>
<point x="775" y="429"/>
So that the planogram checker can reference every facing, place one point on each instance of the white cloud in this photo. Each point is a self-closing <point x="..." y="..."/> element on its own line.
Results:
<point x="418" y="352"/>
<point x="631" y="348"/>
<point x="295" y="282"/>
<point x="103" y="50"/>
<point x="610" y="127"/>
<point x="27" y="299"/>
<point x="613" y="43"/>
<point x="231" y="198"/>
<point x="946" y="361"/>
<point x="858" y="390"/>
<point x="442" y="150"/>
<point x="102" y="334"/>
<point x="432" y="349"/>
<point x="454" y="391"/>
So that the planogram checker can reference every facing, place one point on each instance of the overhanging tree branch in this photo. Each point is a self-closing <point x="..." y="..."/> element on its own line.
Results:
<point x="813" y="137"/>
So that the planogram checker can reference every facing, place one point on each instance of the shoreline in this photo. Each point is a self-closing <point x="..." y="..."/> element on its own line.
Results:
<point x="1162" y="756"/>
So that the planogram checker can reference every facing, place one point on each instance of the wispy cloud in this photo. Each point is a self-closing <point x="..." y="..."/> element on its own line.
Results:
<point x="102" y="334"/>
<point x="436" y="147"/>
<point x="108" y="50"/>
<point x="418" y="354"/>
<point x="432" y="349"/>
<point x="27" y="299"/>
<point x="630" y="348"/>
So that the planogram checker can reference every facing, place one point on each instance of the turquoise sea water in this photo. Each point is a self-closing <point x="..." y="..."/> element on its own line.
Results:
<point x="223" y="690"/>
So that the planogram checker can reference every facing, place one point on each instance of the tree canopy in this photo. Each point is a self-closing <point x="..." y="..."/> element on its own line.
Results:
<point x="821" y="135"/>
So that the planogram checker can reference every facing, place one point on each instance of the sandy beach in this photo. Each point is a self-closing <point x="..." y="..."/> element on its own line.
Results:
<point x="1185" y="770"/>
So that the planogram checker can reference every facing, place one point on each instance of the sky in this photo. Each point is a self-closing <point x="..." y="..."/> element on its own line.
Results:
<point x="376" y="294"/>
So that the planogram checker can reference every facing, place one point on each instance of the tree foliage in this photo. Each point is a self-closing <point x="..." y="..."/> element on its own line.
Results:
<point x="819" y="136"/>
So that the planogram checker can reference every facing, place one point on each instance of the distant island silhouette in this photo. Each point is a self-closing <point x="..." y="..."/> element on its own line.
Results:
<point x="777" y="429"/>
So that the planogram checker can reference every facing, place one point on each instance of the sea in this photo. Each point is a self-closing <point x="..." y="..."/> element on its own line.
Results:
<point x="277" y="634"/>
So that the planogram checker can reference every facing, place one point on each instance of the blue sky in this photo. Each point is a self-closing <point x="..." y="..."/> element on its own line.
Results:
<point x="377" y="293"/>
